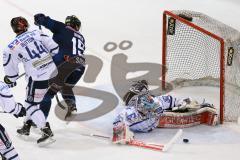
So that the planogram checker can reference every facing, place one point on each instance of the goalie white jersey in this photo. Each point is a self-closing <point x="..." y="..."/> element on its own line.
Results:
<point x="143" y="116"/>
<point x="32" y="48"/>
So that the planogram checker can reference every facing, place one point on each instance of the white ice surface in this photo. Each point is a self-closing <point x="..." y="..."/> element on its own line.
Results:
<point x="139" y="21"/>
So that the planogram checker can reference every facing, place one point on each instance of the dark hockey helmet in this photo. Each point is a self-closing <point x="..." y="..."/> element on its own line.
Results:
<point x="73" y="21"/>
<point x="19" y="24"/>
<point x="139" y="87"/>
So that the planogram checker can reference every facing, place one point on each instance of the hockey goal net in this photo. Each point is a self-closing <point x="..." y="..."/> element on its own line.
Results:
<point x="199" y="50"/>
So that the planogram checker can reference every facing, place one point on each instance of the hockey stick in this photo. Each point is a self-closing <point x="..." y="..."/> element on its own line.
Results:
<point x="134" y="142"/>
<point x="159" y="147"/>
<point x="138" y="143"/>
<point x="173" y="140"/>
<point x="3" y="112"/>
<point x="21" y="75"/>
<point x="95" y="135"/>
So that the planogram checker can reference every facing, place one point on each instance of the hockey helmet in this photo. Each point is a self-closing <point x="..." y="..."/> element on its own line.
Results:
<point x="138" y="87"/>
<point x="73" y="21"/>
<point x="19" y="24"/>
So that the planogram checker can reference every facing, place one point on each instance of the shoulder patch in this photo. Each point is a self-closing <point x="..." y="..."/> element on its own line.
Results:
<point x="13" y="44"/>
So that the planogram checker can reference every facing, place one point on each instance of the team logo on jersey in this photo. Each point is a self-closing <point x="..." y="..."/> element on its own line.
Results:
<point x="13" y="44"/>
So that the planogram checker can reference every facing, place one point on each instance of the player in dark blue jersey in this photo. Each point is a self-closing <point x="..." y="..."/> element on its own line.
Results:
<point x="70" y="59"/>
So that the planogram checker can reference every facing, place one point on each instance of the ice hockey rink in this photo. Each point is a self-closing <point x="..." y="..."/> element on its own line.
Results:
<point x="138" y="22"/>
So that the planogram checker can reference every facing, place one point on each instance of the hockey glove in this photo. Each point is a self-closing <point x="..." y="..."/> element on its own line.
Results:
<point x="207" y="105"/>
<point x="186" y="104"/>
<point x="9" y="83"/>
<point x="39" y="19"/>
<point x="22" y="111"/>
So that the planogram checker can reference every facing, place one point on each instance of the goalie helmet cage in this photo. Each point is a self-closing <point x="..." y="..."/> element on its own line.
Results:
<point x="198" y="50"/>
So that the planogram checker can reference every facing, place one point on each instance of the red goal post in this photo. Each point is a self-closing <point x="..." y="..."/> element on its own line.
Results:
<point x="192" y="40"/>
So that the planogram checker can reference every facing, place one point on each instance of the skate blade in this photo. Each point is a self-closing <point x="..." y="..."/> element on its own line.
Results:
<point x="47" y="142"/>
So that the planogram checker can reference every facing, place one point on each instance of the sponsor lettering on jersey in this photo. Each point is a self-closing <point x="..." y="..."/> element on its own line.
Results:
<point x="23" y="40"/>
<point x="26" y="41"/>
<point x="13" y="44"/>
<point x="24" y="59"/>
<point x="45" y="65"/>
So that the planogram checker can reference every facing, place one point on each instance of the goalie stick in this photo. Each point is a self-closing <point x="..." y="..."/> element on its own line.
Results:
<point x="142" y="144"/>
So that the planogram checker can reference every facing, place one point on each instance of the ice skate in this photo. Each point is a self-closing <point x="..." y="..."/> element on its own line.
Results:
<point x="46" y="138"/>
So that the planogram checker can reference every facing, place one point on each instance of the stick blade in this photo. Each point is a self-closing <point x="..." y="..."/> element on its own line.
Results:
<point x="173" y="140"/>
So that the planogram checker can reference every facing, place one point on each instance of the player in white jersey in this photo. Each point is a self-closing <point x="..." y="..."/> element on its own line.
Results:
<point x="9" y="105"/>
<point x="33" y="49"/>
<point x="144" y="110"/>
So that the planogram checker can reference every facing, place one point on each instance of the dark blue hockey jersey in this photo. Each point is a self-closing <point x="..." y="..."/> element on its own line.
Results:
<point x="71" y="43"/>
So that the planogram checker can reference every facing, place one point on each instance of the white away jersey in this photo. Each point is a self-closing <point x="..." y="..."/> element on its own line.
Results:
<point x="138" y="122"/>
<point x="33" y="49"/>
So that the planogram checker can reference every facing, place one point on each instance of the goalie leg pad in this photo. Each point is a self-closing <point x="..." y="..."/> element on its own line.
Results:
<point x="122" y="134"/>
<point x="206" y="115"/>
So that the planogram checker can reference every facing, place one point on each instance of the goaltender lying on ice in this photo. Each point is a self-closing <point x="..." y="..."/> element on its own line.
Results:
<point x="145" y="112"/>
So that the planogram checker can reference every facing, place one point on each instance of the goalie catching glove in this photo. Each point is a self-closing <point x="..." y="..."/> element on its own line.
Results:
<point x="185" y="104"/>
<point x="190" y="104"/>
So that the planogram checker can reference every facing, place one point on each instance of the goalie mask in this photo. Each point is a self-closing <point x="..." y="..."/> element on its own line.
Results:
<point x="146" y="103"/>
<point x="19" y="25"/>
<point x="139" y="87"/>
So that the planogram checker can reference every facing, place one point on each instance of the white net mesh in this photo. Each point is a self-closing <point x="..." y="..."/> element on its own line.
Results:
<point x="192" y="55"/>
